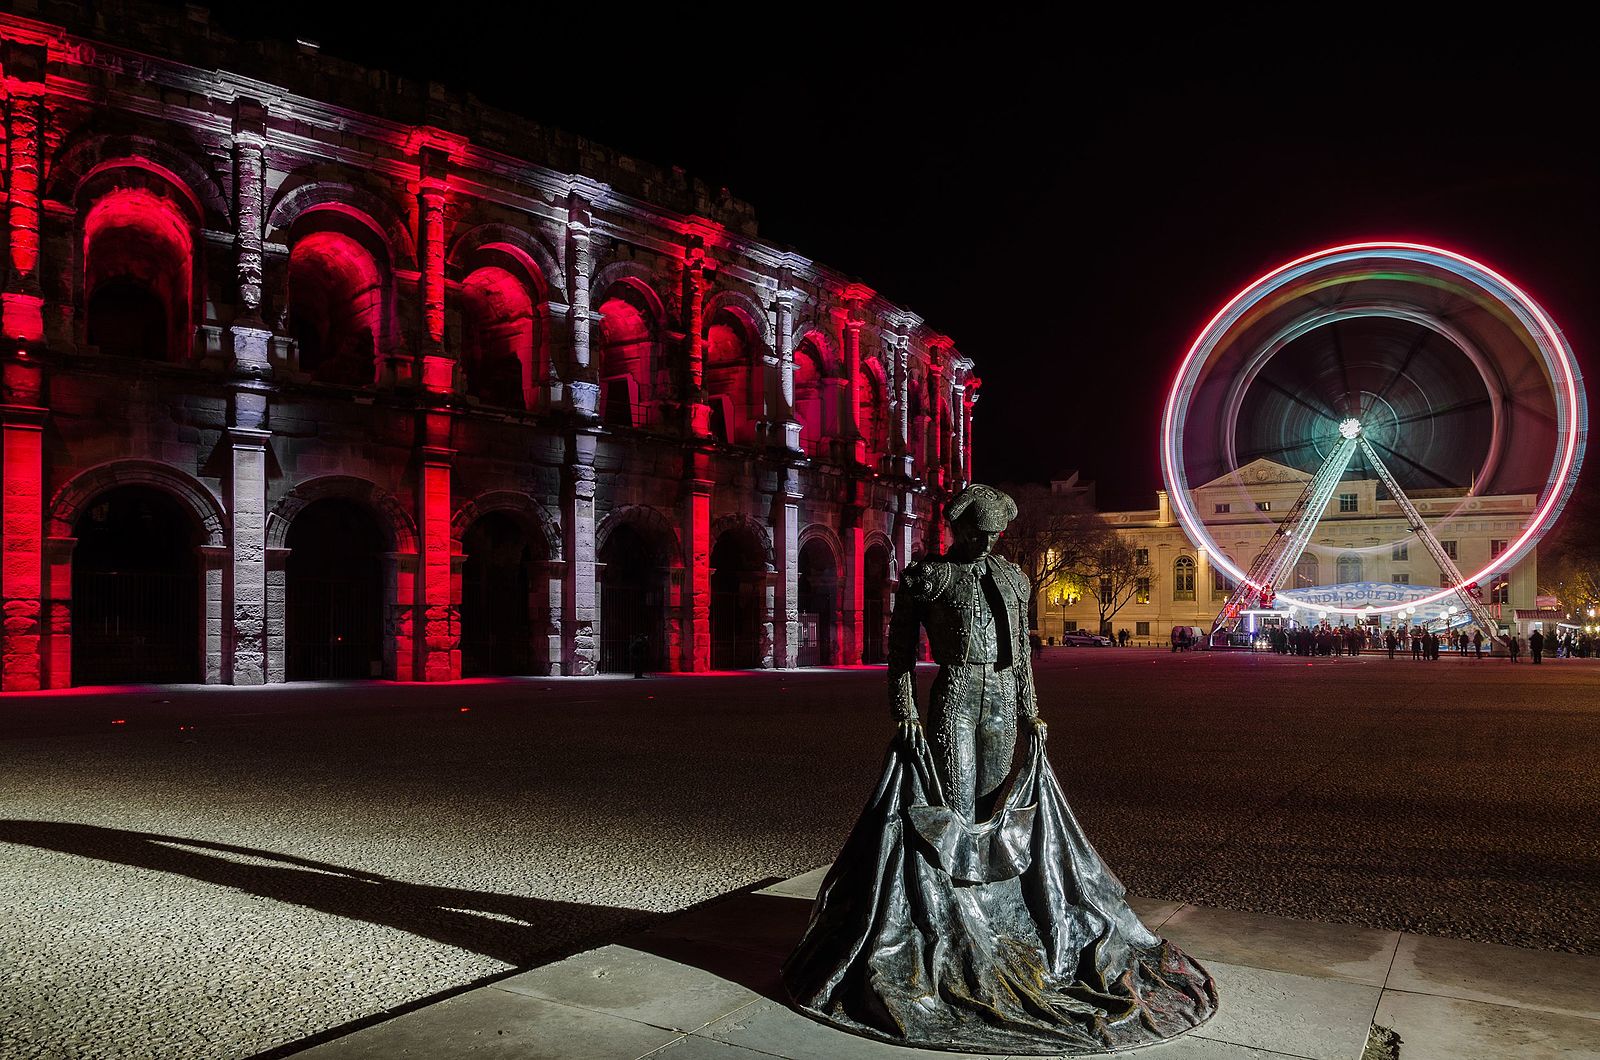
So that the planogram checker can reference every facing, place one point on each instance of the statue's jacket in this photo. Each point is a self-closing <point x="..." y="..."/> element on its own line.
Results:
<point x="941" y="595"/>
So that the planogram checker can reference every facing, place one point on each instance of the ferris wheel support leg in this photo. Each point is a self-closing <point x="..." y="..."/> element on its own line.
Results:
<point x="1447" y="566"/>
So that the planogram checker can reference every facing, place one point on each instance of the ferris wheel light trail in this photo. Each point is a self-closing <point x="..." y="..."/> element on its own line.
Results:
<point x="1410" y="260"/>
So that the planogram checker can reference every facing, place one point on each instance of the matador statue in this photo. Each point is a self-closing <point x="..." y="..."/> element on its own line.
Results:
<point x="968" y="910"/>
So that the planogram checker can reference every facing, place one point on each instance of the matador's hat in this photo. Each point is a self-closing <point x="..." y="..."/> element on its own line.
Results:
<point x="993" y="509"/>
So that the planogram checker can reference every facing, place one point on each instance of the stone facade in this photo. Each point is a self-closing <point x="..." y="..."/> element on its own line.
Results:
<point x="1362" y="537"/>
<point x="393" y="384"/>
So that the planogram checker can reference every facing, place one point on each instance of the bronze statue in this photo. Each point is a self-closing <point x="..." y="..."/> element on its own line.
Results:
<point x="968" y="909"/>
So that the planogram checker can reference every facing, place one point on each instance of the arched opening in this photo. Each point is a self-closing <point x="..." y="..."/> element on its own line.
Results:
<point x="138" y="258"/>
<point x="627" y="347"/>
<point x="917" y="418"/>
<point x="738" y="576"/>
<point x="729" y="374"/>
<point x="633" y="601"/>
<point x="875" y="605"/>
<point x="502" y="333"/>
<point x="872" y="412"/>
<point x="809" y="397"/>
<point x="1349" y="568"/>
<point x="500" y="609"/>
<point x="136" y="590"/>
<point x="819" y="605"/>
<point x="334" y="585"/>
<point x="336" y="298"/>
<point x="1305" y="572"/>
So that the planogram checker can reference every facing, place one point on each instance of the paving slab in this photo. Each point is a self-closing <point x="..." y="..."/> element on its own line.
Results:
<point x="489" y="1024"/>
<point x="1304" y="947"/>
<point x="1567" y="983"/>
<point x="1322" y="1019"/>
<point x="774" y="1028"/>
<point x="695" y="1047"/>
<point x="806" y="885"/>
<point x="635" y="985"/>
<point x="1447" y="1028"/>
<point x="1154" y="912"/>
<point x="1191" y="1047"/>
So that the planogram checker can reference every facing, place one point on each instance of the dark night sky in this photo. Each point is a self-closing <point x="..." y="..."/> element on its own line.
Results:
<point x="1070" y="212"/>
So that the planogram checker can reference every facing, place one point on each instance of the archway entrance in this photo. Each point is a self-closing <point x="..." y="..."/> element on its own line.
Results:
<point x="633" y="601"/>
<point x="875" y="605"/>
<point x="334" y="583"/>
<point x="738" y="574"/>
<point x="819" y="605"/>
<point x="136" y="590"/>
<point x="498" y="608"/>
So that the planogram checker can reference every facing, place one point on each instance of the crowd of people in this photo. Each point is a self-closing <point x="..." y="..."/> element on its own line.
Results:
<point x="1420" y="642"/>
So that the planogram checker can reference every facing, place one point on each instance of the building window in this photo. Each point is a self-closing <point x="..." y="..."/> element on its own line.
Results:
<point x="1402" y="579"/>
<point x="1142" y="591"/>
<point x="1141" y="629"/>
<point x="1221" y="587"/>
<point x="1401" y="553"/>
<point x="1500" y="591"/>
<point x="1347" y="502"/>
<point x="1072" y="625"/>
<point x="1105" y="592"/>
<point x="1349" y="568"/>
<point x="1141" y="556"/>
<point x="1224" y="509"/>
<point x="1263" y="506"/>
<point x="1497" y="546"/>
<point x="1449" y="548"/>
<point x="1305" y="572"/>
<point x="1183" y="578"/>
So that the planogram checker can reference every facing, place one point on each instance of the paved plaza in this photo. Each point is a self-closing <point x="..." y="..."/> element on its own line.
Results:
<point x="227" y="872"/>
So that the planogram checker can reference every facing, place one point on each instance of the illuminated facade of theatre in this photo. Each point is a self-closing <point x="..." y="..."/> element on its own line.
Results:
<point x="1351" y="561"/>
<point x="402" y="386"/>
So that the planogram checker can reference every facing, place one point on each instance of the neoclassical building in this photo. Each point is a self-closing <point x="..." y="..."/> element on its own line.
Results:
<point x="1359" y="554"/>
<point x="331" y="376"/>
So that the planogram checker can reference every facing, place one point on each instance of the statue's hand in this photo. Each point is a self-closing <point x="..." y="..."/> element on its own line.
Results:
<point x="912" y="736"/>
<point x="1040" y="729"/>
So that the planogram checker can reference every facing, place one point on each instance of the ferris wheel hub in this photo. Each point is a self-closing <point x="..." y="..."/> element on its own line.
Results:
<point x="1350" y="428"/>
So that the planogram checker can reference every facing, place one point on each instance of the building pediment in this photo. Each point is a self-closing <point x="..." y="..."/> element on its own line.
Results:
<point x="1259" y="472"/>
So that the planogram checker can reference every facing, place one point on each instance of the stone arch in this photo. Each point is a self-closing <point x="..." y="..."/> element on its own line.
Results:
<point x="877" y="538"/>
<point x="369" y="209"/>
<point x="540" y="259"/>
<point x="400" y="531"/>
<point x="81" y="159"/>
<point x="655" y="527"/>
<point x="627" y="342"/>
<point x="525" y="508"/>
<point x="636" y="275"/>
<point x="72" y="499"/>
<point x="747" y="524"/>
<point x="747" y="306"/>
<point x="824" y="342"/>
<point x="824" y="533"/>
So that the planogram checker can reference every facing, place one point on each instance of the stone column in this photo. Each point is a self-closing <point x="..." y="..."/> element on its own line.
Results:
<point x="691" y="392"/>
<point x="251" y="337"/>
<point x="57" y="650"/>
<point x="853" y="536"/>
<point x="786" y="541"/>
<point x="247" y="509"/>
<point x="213" y="577"/>
<point x="22" y="547"/>
<point x="696" y="528"/>
<point x="439" y="638"/>
<point x="21" y="304"/>
<point x="900" y="384"/>
<point x="580" y="590"/>
<point x="545" y="601"/>
<point x="937" y="401"/>
<point x="782" y="414"/>
<point x="958" y="447"/>
<point x="400" y="632"/>
<point x="850" y="412"/>
<point x="966" y="434"/>
<point x="277" y="564"/>
<point x="582" y="384"/>
<point x="437" y="368"/>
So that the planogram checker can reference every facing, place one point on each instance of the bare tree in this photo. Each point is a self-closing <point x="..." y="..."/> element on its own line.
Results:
<point x="1113" y="573"/>
<point x="1050" y="538"/>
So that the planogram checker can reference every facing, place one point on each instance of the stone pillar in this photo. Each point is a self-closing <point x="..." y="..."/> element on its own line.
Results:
<point x="580" y="590"/>
<point x="439" y="638"/>
<point x="937" y="401"/>
<point x="213" y="578"/>
<point x="958" y="447"/>
<point x="966" y="433"/>
<point x="57" y="650"/>
<point x="21" y="305"/>
<point x="691" y="390"/>
<point x="400" y="630"/>
<point x="582" y="385"/>
<point x="854" y="608"/>
<point x="437" y="369"/>
<point x="22" y="547"/>
<point x="249" y="168"/>
<point x="277" y="563"/>
<point x="247" y="509"/>
<point x="696" y="525"/>
<point x="900" y="384"/>
<point x="786" y="542"/>
<point x="545" y="601"/>
<point x="781" y="414"/>
<point x="850" y="411"/>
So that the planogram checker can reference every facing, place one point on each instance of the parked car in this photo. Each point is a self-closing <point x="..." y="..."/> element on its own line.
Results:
<point x="1082" y="638"/>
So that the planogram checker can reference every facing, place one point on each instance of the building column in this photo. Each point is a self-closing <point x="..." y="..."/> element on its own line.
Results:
<point x="581" y="387"/>
<point x="436" y="370"/>
<point x="696" y="527"/>
<point x="958" y="447"/>
<point x="786" y="541"/>
<point x="21" y="304"/>
<point x="22" y="547"/>
<point x="438" y="640"/>
<point x="247" y="510"/>
<point x="900" y="386"/>
<point x="56" y="653"/>
<point x="971" y="399"/>
<point x="785" y="430"/>
<point x="545" y="602"/>
<point x="276" y="619"/>
<point x="251" y="337"/>
<point x="400" y="578"/>
<point x="853" y="536"/>
<point x="213" y="579"/>
<point x="850" y="324"/>
<point x="692" y="391"/>
<point x="580" y="588"/>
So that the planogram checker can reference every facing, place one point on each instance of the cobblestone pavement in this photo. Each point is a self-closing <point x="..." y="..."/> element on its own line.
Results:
<point x="215" y="873"/>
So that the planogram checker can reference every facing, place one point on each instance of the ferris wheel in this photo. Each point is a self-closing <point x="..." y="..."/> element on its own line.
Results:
<point x="1408" y="364"/>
